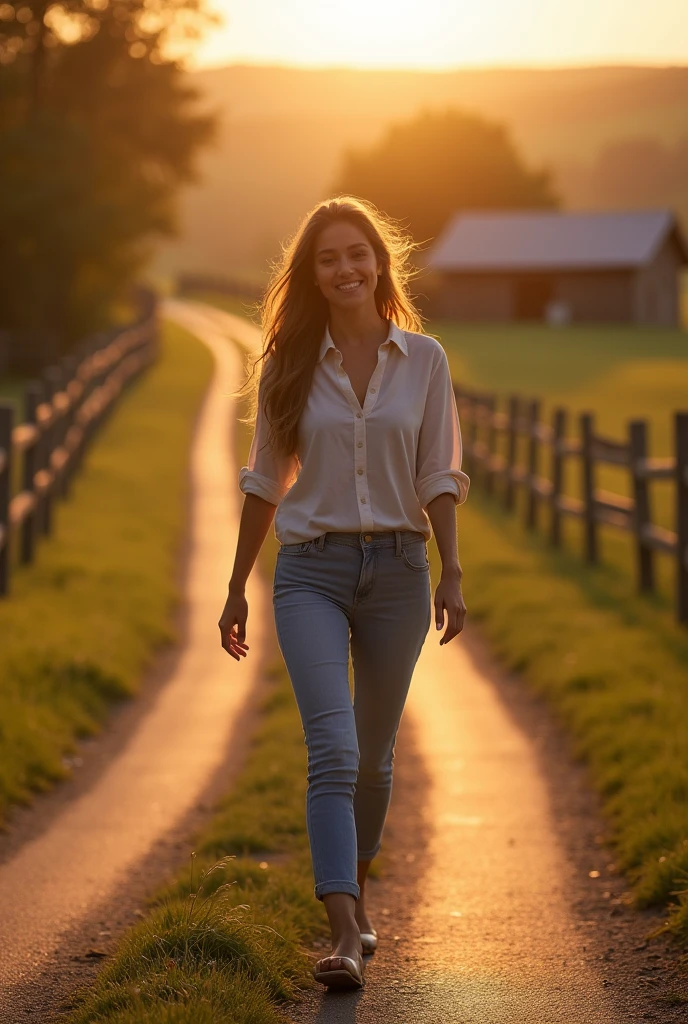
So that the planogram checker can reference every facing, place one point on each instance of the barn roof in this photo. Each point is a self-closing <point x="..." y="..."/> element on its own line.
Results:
<point x="522" y="240"/>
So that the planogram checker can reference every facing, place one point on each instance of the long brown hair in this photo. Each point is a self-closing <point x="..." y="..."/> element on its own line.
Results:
<point x="294" y="314"/>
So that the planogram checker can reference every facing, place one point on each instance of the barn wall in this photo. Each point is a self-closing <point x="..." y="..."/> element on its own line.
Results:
<point x="598" y="297"/>
<point x="486" y="298"/>
<point x="649" y="295"/>
<point x="656" y="293"/>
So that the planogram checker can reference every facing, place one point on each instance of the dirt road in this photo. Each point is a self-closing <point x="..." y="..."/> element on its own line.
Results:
<point x="81" y="856"/>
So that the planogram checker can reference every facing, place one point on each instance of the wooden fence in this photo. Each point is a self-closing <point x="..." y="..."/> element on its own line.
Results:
<point x="62" y="411"/>
<point x="495" y="465"/>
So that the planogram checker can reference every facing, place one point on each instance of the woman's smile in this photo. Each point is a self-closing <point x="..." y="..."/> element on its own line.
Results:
<point x="348" y="286"/>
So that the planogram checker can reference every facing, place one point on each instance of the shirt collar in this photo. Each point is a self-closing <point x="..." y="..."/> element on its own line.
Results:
<point x="394" y="334"/>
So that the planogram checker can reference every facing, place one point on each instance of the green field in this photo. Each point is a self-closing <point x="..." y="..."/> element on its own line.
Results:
<point x="83" y="620"/>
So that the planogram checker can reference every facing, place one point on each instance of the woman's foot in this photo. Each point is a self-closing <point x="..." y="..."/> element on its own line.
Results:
<point x="343" y="968"/>
<point x="362" y="920"/>
<point x="366" y="927"/>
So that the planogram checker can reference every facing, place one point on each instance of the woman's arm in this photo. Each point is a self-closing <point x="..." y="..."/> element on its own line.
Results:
<point x="256" y="517"/>
<point x="448" y="596"/>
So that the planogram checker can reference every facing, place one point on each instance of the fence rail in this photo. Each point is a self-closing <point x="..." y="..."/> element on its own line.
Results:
<point x="484" y="423"/>
<point x="62" y="411"/>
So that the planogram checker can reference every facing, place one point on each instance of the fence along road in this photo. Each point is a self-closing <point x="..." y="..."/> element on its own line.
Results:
<point x="62" y="411"/>
<point x="84" y="855"/>
<point x="483" y="424"/>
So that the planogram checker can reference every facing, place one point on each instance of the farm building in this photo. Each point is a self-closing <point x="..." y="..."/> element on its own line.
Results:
<point x="561" y="267"/>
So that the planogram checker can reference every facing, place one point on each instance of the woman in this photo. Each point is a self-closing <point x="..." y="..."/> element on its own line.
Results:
<point x="357" y="455"/>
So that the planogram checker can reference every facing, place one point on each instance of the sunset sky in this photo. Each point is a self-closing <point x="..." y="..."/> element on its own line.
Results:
<point x="441" y="34"/>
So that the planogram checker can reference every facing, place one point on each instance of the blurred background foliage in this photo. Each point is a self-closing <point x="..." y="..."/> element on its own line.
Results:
<point x="99" y="127"/>
<point x="423" y="170"/>
<point x="610" y="138"/>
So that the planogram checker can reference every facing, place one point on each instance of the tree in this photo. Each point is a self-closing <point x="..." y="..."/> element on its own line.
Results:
<point x="424" y="170"/>
<point x="98" y="129"/>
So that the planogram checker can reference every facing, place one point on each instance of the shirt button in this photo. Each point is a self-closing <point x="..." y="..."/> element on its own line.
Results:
<point x="358" y="415"/>
<point x="360" y="472"/>
<point x="373" y="390"/>
<point x="363" y="501"/>
<point x="359" y="444"/>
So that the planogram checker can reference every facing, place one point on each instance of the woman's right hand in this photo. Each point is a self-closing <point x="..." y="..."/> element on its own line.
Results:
<point x="233" y="626"/>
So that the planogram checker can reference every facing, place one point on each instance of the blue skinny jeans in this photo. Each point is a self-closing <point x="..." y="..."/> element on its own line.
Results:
<point x="369" y="591"/>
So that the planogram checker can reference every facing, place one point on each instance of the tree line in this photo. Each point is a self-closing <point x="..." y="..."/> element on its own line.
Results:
<point x="99" y="126"/>
<point x="437" y="163"/>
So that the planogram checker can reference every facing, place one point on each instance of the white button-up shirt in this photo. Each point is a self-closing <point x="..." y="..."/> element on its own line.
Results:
<point x="371" y="468"/>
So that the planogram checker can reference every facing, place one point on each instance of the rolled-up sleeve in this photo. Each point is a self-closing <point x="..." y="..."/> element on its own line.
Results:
<point x="438" y="464"/>
<point x="268" y="475"/>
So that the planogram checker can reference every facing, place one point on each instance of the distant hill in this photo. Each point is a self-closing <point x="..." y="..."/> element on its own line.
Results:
<point x="614" y="136"/>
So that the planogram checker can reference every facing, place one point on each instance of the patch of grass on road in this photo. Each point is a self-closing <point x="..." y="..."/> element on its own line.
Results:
<point x="224" y="941"/>
<point x="82" y="621"/>
<point x="615" y="670"/>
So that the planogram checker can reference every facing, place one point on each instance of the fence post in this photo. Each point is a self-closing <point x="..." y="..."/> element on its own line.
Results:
<point x="6" y="422"/>
<point x="682" y="516"/>
<point x="32" y="399"/>
<point x="512" y="439"/>
<point x="51" y="382"/>
<point x="558" y="437"/>
<point x="490" y="404"/>
<point x="69" y="365"/>
<point x="641" y="497"/>
<point x="588" y="482"/>
<point x="533" y="461"/>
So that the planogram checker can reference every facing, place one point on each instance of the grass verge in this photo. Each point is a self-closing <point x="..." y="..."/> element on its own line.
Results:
<point x="84" y="619"/>
<point x="224" y="941"/>
<point x="615" y="670"/>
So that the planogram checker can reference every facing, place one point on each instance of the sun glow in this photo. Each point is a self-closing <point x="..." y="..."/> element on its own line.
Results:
<point x="439" y="34"/>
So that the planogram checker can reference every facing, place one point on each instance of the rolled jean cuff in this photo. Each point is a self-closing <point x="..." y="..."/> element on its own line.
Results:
<point x="325" y="888"/>
<point x="368" y="855"/>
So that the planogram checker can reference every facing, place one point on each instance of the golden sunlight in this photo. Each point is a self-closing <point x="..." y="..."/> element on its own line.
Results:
<point x="440" y="34"/>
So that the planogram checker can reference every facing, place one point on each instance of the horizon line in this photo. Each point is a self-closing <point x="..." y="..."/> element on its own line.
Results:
<point x="444" y="70"/>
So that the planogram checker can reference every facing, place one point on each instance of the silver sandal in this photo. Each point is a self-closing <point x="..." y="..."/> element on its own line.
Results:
<point x="346" y="977"/>
<point x="369" y="942"/>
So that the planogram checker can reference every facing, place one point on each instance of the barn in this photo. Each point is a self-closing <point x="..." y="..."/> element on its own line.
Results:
<point x="601" y="268"/>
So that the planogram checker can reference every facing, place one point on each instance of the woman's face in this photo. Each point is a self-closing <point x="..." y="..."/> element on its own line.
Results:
<point x="346" y="268"/>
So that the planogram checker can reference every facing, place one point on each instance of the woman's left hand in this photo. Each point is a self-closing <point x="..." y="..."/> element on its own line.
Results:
<point x="449" y="599"/>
